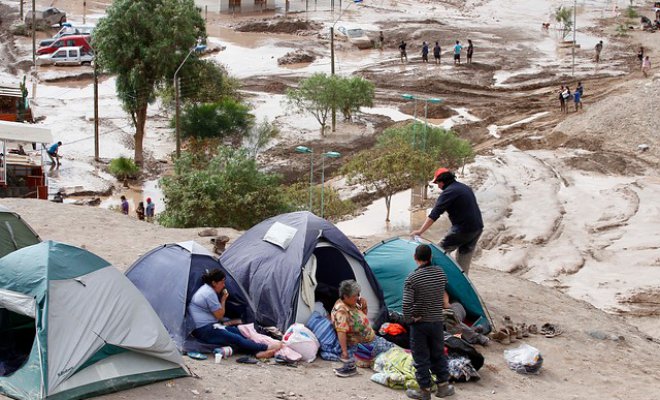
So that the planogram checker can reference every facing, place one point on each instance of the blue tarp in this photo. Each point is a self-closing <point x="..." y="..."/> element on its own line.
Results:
<point x="392" y="261"/>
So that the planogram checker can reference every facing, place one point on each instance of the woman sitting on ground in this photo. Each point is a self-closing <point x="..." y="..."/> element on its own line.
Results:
<point x="207" y="311"/>
<point x="349" y="317"/>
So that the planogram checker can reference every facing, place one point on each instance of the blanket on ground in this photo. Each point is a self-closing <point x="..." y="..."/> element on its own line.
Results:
<point x="249" y="332"/>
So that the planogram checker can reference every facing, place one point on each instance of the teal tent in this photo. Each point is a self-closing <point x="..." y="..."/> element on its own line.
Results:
<point x="392" y="261"/>
<point x="15" y="233"/>
<point x="72" y="326"/>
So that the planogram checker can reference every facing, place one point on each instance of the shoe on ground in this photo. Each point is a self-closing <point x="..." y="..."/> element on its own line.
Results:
<point x="421" y="394"/>
<point x="444" y="390"/>
<point x="345" y="372"/>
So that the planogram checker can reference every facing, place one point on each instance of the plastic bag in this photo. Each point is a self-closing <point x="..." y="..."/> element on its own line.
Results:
<point x="524" y="359"/>
<point x="301" y="340"/>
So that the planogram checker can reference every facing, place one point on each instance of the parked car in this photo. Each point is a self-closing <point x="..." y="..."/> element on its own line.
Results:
<point x="354" y="35"/>
<point x="47" y="17"/>
<point x="67" y="30"/>
<point x="67" y="56"/>
<point x="66" y="41"/>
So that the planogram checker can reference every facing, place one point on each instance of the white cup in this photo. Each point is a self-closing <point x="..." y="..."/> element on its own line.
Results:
<point x="218" y="358"/>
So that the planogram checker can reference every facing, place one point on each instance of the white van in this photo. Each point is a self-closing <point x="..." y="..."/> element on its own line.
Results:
<point x="67" y="56"/>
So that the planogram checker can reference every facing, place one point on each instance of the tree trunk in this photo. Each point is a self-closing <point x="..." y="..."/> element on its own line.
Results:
<point x="388" y="203"/>
<point x="141" y="119"/>
<point x="323" y="129"/>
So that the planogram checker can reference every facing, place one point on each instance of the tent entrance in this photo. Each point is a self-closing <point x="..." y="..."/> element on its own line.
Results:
<point x="17" y="334"/>
<point x="332" y="267"/>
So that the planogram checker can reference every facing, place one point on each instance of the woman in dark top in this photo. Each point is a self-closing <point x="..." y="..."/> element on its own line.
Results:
<point x="470" y="50"/>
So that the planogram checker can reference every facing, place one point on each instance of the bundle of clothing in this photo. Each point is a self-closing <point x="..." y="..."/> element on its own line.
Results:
<point x="395" y="368"/>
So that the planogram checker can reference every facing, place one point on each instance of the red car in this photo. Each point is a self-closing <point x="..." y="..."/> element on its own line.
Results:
<point x="66" y="41"/>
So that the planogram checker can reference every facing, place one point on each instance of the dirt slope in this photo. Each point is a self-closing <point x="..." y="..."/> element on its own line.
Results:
<point x="577" y="365"/>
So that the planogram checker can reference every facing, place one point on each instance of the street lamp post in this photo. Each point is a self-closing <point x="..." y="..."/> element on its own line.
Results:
<point x="307" y="150"/>
<point x="330" y="154"/>
<point x="432" y="100"/>
<point x="574" y="27"/>
<point x="198" y="47"/>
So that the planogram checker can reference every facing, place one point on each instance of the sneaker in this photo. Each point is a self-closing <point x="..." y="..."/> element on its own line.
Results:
<point x="444" y="390"/>
<point x="345" y="372"/>
<point x="421" y="394"/>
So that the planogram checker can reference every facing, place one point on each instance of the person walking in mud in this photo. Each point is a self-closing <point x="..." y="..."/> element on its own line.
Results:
<point x="425" y="52"/>
<point x="562" y="102"/>
<point x="646" y="66"/>
<point x="470" y="51"/>
<point x="640" y="55"/>
<point x="599" y="48"/>
<point x="460" y="203"/>
<point x="457" y="53"/>
<point x="436" y="52"/>
<point x="381" y="41"/>
<point x="402" y="50"/>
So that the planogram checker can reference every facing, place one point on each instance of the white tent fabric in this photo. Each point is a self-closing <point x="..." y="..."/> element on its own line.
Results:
<point x="20" y="132"/>
<point x="96" y="309"/>
<point x="18" y="303"/>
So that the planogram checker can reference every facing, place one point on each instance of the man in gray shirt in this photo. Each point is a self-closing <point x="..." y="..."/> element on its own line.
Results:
<point x="423" y="299"/>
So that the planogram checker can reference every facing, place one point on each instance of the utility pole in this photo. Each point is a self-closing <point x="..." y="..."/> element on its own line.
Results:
<point x="178" y="134"/>
<point x="84" y="11"/>
<point x="34" y="31"/>
<point x="96" y="113"/>
<point x="332" y="71"/>
<point x="574" y="28"/>
<point x="21" y="12"/>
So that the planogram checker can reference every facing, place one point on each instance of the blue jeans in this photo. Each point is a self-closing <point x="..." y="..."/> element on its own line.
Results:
<point x="427" y="344"/>
<point x="230" y="336"/>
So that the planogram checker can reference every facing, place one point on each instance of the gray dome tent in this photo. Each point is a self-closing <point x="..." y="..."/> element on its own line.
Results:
<point x="288" y="262"/>
<point x="15" y="233"/>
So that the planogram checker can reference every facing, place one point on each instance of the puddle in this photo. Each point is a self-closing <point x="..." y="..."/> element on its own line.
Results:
<point x="402" y="219"/>
<point x="135" y="195"/>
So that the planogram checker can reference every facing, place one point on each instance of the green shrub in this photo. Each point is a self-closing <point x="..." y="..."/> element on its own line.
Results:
<point x="631" y="12"/>
<point x="123" y="168"/>
<point x="334" y="208"/>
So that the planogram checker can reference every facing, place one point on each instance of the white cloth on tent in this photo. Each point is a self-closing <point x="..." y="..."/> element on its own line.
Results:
<point x="309" y="282"/>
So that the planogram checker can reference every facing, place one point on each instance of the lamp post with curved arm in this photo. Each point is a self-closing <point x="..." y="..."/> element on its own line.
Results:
<point x="198" y="47"/>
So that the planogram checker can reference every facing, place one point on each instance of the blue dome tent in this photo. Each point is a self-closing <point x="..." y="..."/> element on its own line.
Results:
<point x="170" y="274"/>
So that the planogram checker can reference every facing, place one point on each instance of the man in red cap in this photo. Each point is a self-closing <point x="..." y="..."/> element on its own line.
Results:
<point x="458" y="200"/>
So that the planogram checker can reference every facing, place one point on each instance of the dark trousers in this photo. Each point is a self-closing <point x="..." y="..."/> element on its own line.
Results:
<point x="428" y="350"/>
<point x="230" y="336"/>
<point x="465" y="242"/>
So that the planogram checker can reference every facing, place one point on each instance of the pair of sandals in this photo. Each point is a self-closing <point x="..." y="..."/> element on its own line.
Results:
<point x="243" y="360"/>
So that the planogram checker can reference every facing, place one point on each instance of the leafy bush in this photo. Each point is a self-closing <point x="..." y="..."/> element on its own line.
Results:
<point x="226" y="118"/>
<point x="228" y="190"/>
<point x="333" y="206"/>
<point x="123" y="168"/>
<point x="631" y="12"/>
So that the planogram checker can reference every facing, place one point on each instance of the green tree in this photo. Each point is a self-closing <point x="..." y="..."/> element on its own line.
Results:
<point x="443" y="146"/>
<point x="356" y="92"/>
<point x="564" y="16"/>
<point x="228" y="191"/>
<point x="143" y="42"/>
<point x="260" y="135"/>
<point x="405" y="156"/>
<point x="316" y="95"/>
<point x="202" y="81"/>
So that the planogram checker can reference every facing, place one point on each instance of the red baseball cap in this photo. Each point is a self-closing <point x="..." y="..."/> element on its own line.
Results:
<point x="439" y="172"/>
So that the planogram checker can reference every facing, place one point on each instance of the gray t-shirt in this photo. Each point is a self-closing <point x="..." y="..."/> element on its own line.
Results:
<point x="202" y="306"/>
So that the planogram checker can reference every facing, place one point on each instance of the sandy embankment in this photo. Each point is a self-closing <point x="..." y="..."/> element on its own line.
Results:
<point x="577" y="365"/>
